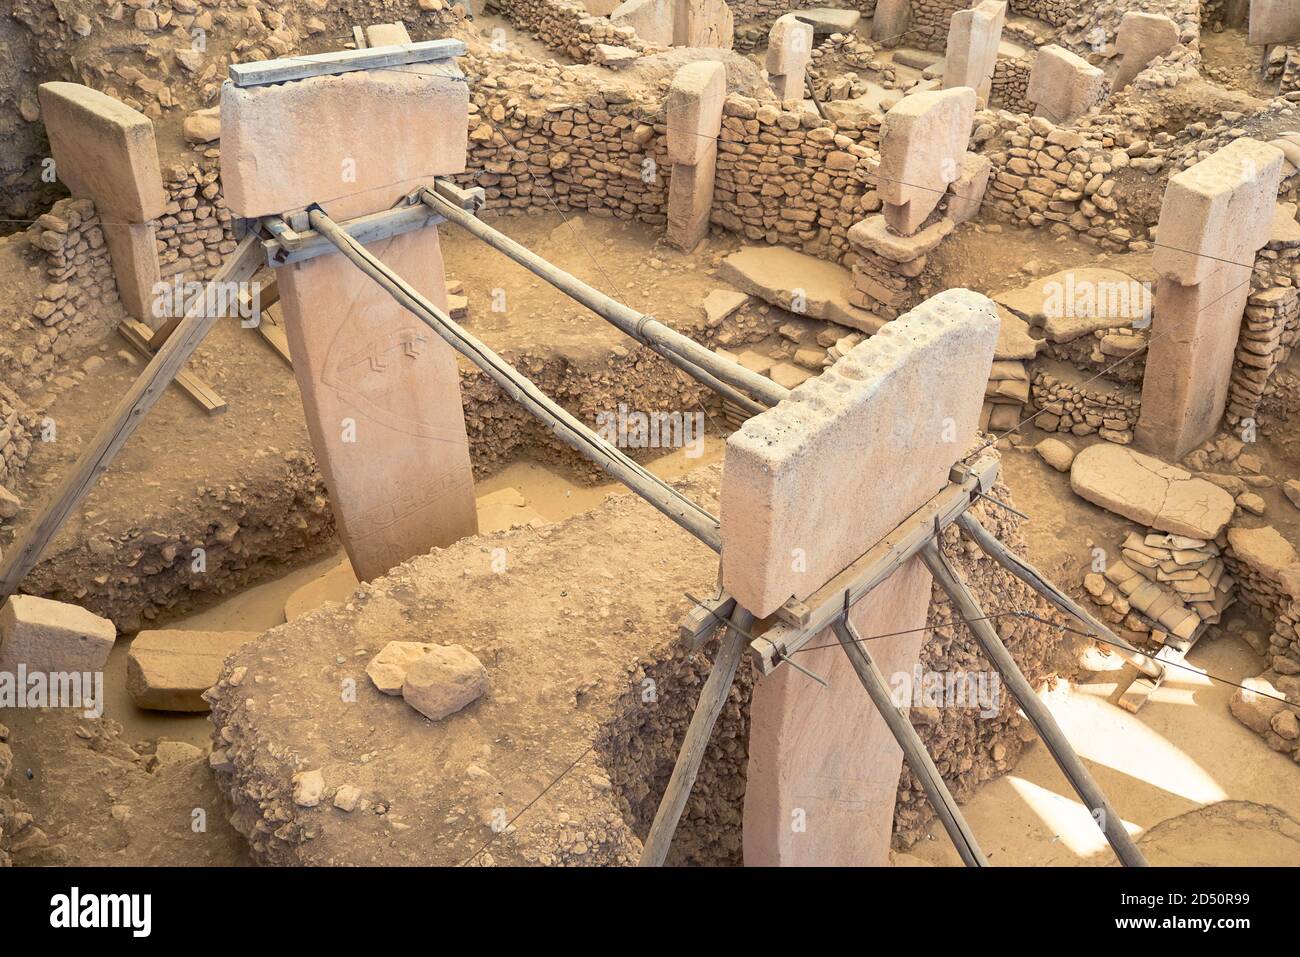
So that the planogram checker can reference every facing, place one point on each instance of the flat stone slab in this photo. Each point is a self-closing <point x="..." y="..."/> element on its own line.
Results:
<point x="874" y="235"/>
<point x="1264" y="550"/>
<point x="1149" y="491"/>
<point x="169" y="669"/>
<point x="1014" y="340"/>
<point x="800" y="283"/>
<point x="827" y="20"/>
<point x="791" y="472"/>
<point x="52" y="636"/>
<point x="1077" y="302"/>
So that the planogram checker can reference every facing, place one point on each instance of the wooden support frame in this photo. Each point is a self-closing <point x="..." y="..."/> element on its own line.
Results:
<point x="1094" y="799"/>
<point x="122" y="422"/>
<point x="141" y="338"/>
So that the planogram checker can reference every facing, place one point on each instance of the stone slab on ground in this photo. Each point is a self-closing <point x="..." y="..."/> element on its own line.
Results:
<point x="169" y="669"/>
<point x="1077" y="302"/>
<point x="791" y="472"/>
<point x="786" y="278"/>
<point x="828" y="20"/>
<point x="51" y="636"/>
<point x="1149" y="491"/>
<point x="103" y="150"/>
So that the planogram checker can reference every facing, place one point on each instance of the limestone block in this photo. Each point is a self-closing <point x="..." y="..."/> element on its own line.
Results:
<point x="872" y="235"/>
<point x="103" y="150"/>
<point x="1274" y="21"/>
<point x="891" y="21"/>
<point x="388" y="668"/>
<point x="1218" y="212"/>
<point x="969" y="189"/>
<point x="651" y="19"/>
<point x="381" y="393"/>
<point x="288" y="145"/>
<point x="923" y="142"/>
<point x="134" y="252"/>
<point x="1189" y="361"/>
<point x="690" y="198"/>
<point x="972" y="51"/>
<point x="1142" y="38"/>
<point x="694" y="111"/>
<point x="801" y="490"/>
<point x="387" y="34"/>
<point x="789" y="46"/>
<point x="826" y="751"/>
<point x="51" y="636"/>
<point x="168" y="670"/>
<point x="1063" y="85"/>
<point x="792" y="86"/>
<point x="703" y="23"/>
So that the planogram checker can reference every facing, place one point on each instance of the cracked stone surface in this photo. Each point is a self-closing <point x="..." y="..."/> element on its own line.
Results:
<point x="1150" y="491"/>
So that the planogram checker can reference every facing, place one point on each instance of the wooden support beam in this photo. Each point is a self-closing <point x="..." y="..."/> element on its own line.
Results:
<point x="1111" y="824"/>
<point x="291" y="246"/>
<point x="918" y="758"/>
<point x="262" y="72"/>
<point x="137" y="336"/>
<point x="122" y="422"/>
<point x="805" y="620"/>
<point x="703" y="619"/>
<point x="1031" y="576"/>
<point x="713" y="696"/>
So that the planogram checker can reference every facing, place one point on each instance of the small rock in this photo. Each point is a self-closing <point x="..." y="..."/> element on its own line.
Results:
<point x="1055" y="453"/>
<point x="388" y="668"/>
<point x="347" y="797"/>
<point x="10" y="504"/>
<point x="308" y="787"/>
<point x="1251" y="503"/>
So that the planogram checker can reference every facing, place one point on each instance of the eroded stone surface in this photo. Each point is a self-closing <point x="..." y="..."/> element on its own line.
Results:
<point x="52" y="636"/>
<point x="911" y="393"/>
<point x="443" y="681"/>
<point x="1149" y="491"/>
<point x="387" y="670"/>
<point x="169" y="669"/>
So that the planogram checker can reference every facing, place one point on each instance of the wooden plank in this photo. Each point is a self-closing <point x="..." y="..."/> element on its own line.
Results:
<point x="262" y="72"/>
<point x="137" y="336"/>
<point x="271" y="330"/>
<point x="826" y="604"/>
<point x="359" y="37"/>
<point x="308" y="244"/>
<point x="1172" y="654"/>
<point x="702" y="620"/>
<point x="122" y="422"/>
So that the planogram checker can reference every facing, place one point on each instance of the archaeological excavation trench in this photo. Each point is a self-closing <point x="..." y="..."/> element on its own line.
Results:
<point x="706" y="433"/>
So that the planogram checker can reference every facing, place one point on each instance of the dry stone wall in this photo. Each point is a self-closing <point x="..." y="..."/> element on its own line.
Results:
<point x="566" y="26"/>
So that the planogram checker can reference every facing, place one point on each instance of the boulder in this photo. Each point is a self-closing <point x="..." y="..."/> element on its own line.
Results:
<point x="444" y="681"/>
<point x="1255" y="703"/>
<point x="1055" y="453"/>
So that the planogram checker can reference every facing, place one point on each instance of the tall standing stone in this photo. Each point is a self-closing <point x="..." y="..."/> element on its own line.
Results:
<point x="1063" y="85"/>
<point x="1142" y="37"/>
<point x="105" y="151"/>
<point x="891" y="22"/>
<point x="911" y="393"/>
<point x="972" y="52"/>
<point x="694" y="112"/>
<point x="789" y="48"/>
<point x="380" y="389"/>
<point x="1274" y="21"/>
<point x="923" y="141"/>
<point x="1216" y="216"/>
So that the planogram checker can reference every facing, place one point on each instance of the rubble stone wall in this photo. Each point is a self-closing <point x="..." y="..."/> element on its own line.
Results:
<point x="195" y="232"/>
<point x="1269" y="331"/>
<point x="566" y="26"/>
<point x="1011" y="84"/>
<point x="1085" y="409"/>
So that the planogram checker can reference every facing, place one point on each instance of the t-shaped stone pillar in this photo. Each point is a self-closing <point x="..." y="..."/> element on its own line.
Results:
<point x="1216" y="216"/>
<point x="105" y="151"/>
<point x="380" y="389"/>
<point x="1063" y="85"/>
<point x="789" y="48"/>
<point x="923" y="141"/>
<point x="694" y="110"/>
<point x="891" y="22"/>
<point x="1142" y="38"/>
<point x="972" y="53"/>
<point x="807" y="488"/>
